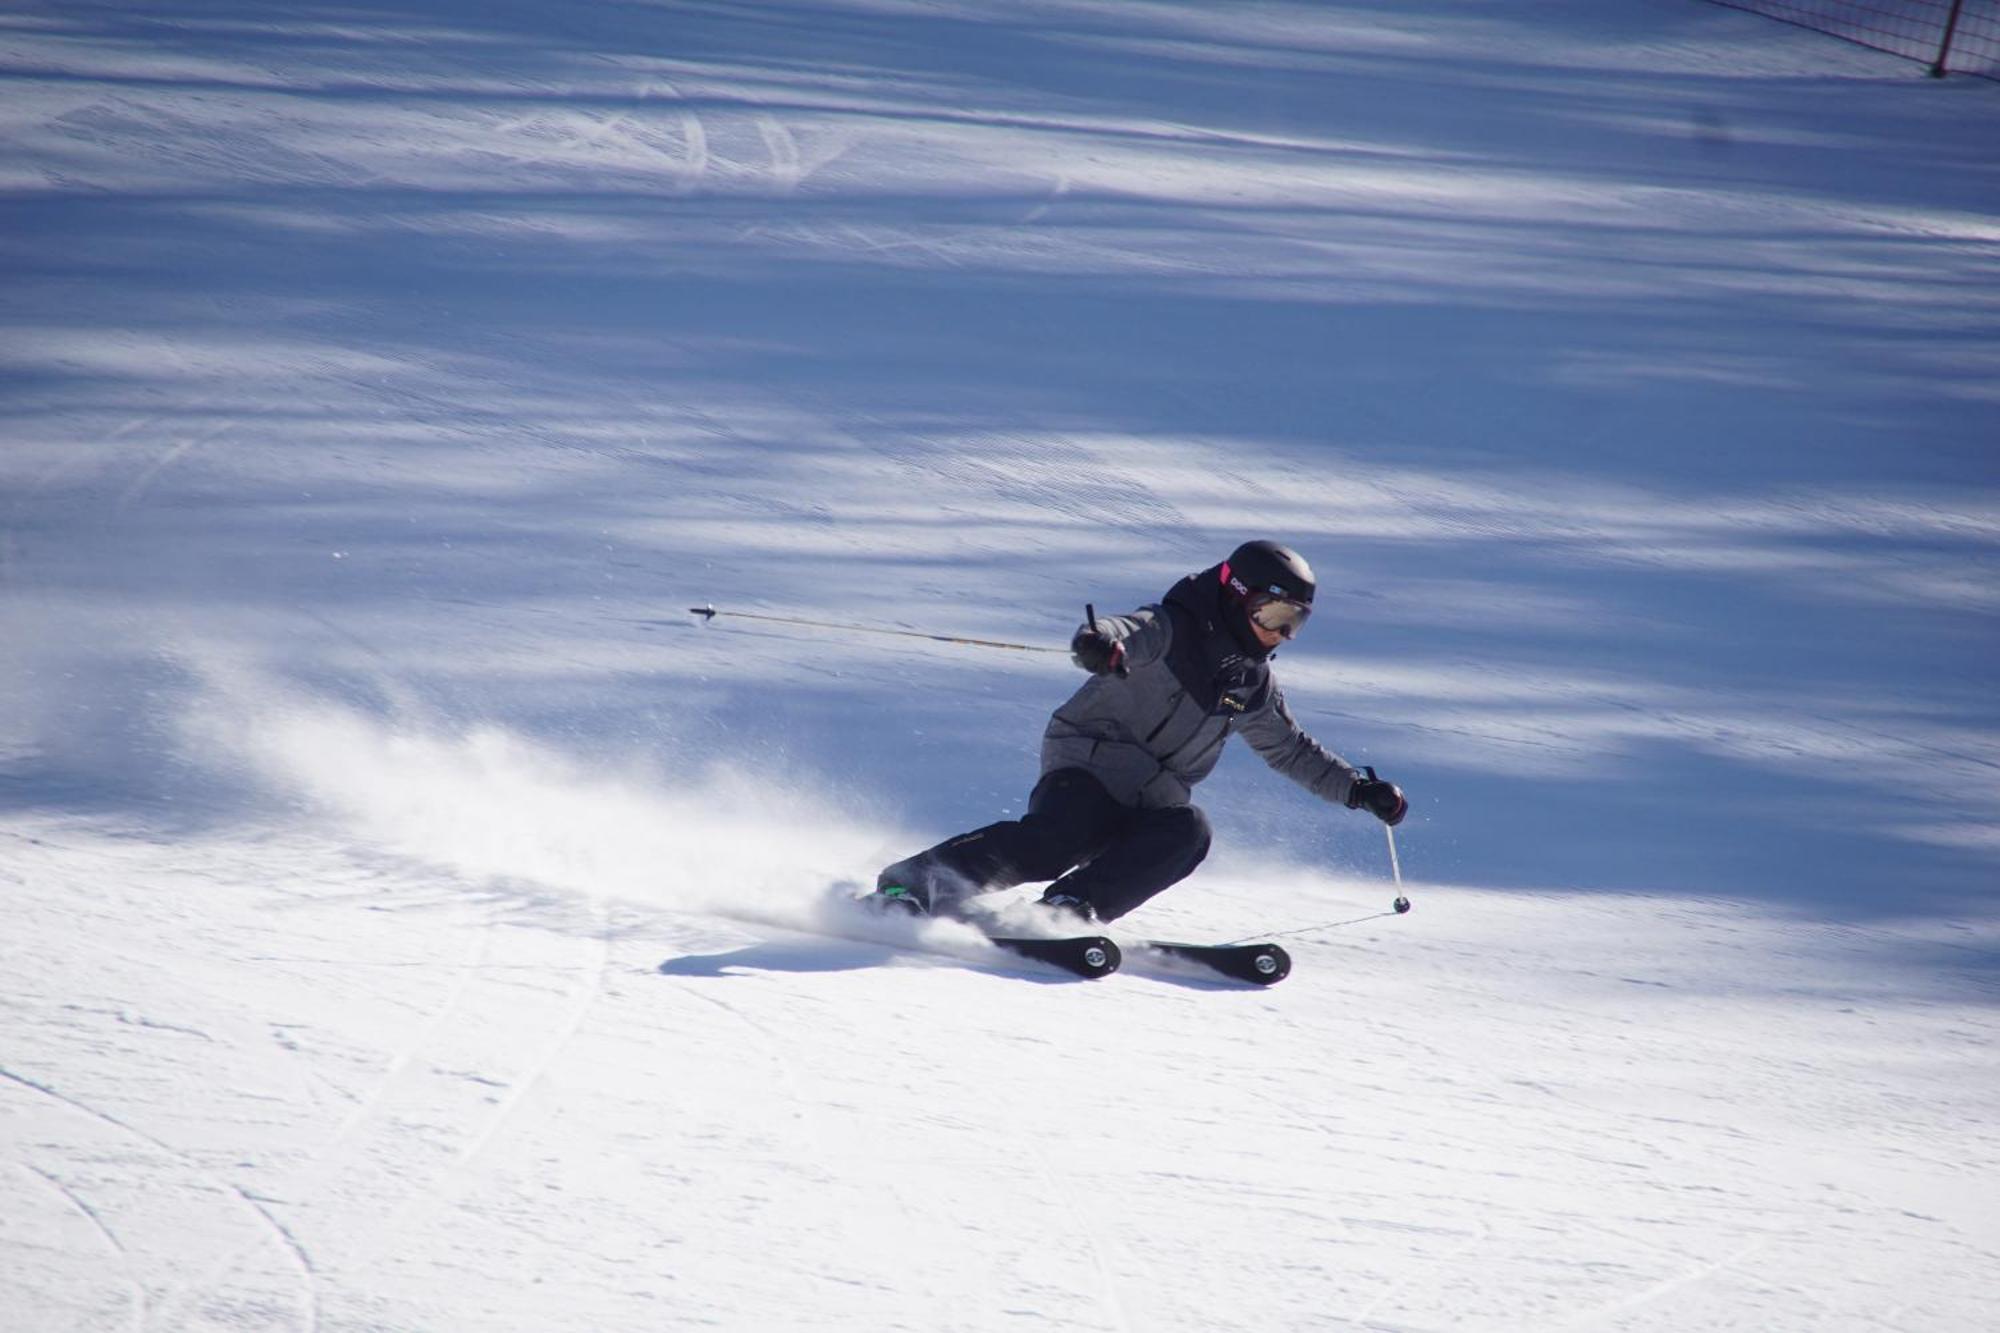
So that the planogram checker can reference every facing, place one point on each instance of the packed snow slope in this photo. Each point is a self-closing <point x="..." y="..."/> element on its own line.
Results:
<point x="415" y="920"/>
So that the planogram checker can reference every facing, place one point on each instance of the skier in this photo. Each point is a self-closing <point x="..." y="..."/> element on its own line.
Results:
<point x="1111" y="821"/>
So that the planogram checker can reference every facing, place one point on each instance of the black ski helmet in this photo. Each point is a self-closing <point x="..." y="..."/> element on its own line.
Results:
<point x="1266" y="568"/>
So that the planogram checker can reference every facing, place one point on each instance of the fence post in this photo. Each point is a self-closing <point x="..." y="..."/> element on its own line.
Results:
<point x="1944" y="47"/>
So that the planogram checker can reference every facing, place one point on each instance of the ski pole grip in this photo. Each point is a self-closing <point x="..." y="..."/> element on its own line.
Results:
<point x="1090" y="619"/>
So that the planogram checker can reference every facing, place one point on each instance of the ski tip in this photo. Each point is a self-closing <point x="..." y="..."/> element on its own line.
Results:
<point x="1270" y="965"/>
<point x="1259" y="964"/>
<point x="1088" y="956"/>
<point x="1102" y="957"/>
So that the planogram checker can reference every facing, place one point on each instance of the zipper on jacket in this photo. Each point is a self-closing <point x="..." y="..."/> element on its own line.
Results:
<point x="1201" y="725"/>
<point x="1173" y="705"/>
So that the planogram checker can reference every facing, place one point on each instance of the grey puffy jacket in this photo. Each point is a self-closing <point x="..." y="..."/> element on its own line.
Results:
<point x="1194" y="676"/>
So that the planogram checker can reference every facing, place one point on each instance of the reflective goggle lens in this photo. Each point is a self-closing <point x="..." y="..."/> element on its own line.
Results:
<point x="1277" y="615"/>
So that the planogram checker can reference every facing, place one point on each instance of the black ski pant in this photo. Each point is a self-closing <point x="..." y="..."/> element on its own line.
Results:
<point x="1111" y="855"/>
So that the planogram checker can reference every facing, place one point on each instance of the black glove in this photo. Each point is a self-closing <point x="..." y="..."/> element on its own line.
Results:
<point x="1096" y="652"/>
<point x="1384" y="800"/>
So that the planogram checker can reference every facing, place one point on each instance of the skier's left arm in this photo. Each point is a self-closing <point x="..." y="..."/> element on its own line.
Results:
<point x="1275" y="734"/>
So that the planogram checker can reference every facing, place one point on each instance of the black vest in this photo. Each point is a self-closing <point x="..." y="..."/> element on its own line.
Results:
<point x="1214" y="656"/>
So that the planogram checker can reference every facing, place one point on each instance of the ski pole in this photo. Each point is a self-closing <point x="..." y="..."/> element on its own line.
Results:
<point x="1397" y="908"/>
<point x="1401" y="904"/>
<point x="709" y="613"/>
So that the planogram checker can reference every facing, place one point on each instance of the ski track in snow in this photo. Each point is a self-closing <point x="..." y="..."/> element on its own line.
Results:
<point x="76" y="1201"/>
<point x="1596" y="1318"/>
<point x="446" y="1114"/>
<point x="478" y="947"/>
<point x="277" y="1234"/>
<point x="525" y="1081"/>
<point x="1083" y="1214"/>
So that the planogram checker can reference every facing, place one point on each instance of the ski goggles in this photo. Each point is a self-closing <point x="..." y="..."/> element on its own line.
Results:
<point x="1280" y="615"/>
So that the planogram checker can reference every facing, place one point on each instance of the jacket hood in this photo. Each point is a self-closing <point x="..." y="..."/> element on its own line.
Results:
<point x="1220" y="617"/>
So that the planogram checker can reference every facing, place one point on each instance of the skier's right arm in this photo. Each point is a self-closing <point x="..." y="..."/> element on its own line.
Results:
<point x="1113" y="642"/>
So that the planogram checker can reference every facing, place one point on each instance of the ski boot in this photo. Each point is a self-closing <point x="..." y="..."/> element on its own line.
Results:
<point x="1068" y="908"/>
<point x="896" y="900"/>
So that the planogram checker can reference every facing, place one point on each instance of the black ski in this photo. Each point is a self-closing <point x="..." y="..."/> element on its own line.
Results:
<point x="1259" y="964"/>
<point x="1085" y="955"/>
